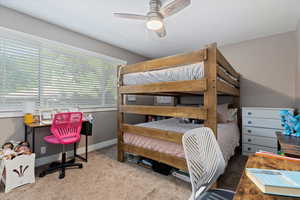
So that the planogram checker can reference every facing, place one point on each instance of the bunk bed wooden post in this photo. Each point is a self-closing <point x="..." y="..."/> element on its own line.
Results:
<point x="120" y="116"/>
<point x="210" y="95"/>
<point x="237" y="104"/>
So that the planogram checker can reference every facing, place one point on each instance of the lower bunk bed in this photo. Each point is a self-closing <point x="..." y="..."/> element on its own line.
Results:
<point x="228" y="139"/>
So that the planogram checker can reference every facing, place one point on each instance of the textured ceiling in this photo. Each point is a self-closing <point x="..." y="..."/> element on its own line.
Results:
<point x="203" y="22"/>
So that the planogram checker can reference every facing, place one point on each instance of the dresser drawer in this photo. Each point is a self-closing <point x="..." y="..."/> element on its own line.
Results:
<point x="250" y="149"/>
<point x="264" y="123"/>
<point x="261" y="141"/>
<point x="267" y="113"/>
<point x="263" y="132"/>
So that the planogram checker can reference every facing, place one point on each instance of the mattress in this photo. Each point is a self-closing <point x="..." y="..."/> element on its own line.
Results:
<point x="186" y="72"/>
<point x="228" y="137"/>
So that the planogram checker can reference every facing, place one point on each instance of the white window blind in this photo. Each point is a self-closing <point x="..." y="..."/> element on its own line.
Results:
<point x="53" y="75"/>
<point x="19" y="66"/>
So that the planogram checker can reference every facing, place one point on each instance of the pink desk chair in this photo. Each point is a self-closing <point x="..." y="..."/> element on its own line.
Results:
<point x="65" y="130"/>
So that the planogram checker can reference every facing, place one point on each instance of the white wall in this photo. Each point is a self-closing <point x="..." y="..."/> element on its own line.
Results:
<point x="268" y="69"/>
<point x="298" y="67"/>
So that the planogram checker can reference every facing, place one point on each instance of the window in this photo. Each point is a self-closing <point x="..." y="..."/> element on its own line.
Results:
<point x="53" y="74"/>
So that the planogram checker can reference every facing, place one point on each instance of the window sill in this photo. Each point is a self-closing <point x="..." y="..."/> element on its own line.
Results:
<point x="98" y="109"/>
<point x="85" y="110"/>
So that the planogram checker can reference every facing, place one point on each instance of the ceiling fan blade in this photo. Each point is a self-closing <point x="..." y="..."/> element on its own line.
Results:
<point x="174" y="7"/>
<point x="161" y="32"/>
<point x="130" y="16"/>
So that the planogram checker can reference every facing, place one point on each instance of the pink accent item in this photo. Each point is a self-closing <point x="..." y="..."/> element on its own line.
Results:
<point x="65" y="128"/>
<point x="228" y="137"/>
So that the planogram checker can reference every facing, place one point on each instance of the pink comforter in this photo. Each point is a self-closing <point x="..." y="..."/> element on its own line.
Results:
<point x="228" y="137"/>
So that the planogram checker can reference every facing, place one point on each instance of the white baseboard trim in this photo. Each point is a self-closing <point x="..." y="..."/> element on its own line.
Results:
<point x="81" y="150"/>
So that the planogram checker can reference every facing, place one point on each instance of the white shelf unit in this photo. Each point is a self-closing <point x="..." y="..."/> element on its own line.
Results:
<point x="259" y="129"/>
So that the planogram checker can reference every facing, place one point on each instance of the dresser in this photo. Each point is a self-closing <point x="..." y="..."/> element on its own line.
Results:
<point x="260" y="126"/>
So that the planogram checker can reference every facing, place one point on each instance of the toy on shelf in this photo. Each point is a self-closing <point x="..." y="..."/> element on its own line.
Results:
<point x="290" y="123"/>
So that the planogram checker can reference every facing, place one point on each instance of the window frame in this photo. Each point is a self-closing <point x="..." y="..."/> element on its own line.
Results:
<point x="49" y="43"/>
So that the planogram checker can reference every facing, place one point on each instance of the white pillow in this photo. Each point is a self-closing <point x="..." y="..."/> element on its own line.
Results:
<point x="223" y="113"/>
<point x="233" y="115"/>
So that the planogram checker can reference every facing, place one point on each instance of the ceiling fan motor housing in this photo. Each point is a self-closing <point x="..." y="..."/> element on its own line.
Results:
<point x="154" y="13"/>
<point x="155" y="17"/>
<point x="155" y="5"/>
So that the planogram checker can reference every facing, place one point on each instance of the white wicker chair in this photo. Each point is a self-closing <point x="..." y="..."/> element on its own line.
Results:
<point x="205" y="163"/>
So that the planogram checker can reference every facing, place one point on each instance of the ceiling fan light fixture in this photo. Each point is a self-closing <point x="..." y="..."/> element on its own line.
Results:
<point x="157" y="13"/>
<point x="155" y="23"/>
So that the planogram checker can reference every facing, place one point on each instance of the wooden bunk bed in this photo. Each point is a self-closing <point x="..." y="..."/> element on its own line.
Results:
<point x="219" y="79"/>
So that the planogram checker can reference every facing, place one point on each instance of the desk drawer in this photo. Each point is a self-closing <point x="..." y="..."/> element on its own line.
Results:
<point x="261" y="141"/>
<point x="264" y="123"/>
<point x="250" y="149"/>
<point x="263" y="113"/>
<point x="262" y="132"/>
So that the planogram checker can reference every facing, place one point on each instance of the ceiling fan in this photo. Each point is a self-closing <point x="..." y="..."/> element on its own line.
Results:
<point x="154" y="18"/>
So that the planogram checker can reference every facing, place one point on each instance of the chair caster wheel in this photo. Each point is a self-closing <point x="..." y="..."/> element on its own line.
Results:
<point x="42" y="174"/>
<point x="80" y="166"/>
<point x="61" y="176"/>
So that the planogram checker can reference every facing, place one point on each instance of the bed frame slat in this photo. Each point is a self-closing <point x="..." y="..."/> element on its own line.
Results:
<point x="221" y="60"/>
<point x="227" y="89"/>
<point x="170" y="136"/>
<point x="168" y="111"/>
<point x="174" y="86"/>
<point x="227" y="78"/>
<point x="166" y="62"/>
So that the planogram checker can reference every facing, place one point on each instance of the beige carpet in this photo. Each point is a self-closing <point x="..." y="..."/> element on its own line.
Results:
<point x="105" y="178"/>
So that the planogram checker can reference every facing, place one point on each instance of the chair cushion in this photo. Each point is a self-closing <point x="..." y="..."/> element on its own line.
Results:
<point x="54" y="140"/>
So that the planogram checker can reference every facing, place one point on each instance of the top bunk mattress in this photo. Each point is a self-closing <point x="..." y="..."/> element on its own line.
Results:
<point x="228" y="137"/>
<point x="181" y="73"/>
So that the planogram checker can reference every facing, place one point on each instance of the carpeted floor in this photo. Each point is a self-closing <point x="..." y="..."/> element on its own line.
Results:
<point x="105" y="178"/>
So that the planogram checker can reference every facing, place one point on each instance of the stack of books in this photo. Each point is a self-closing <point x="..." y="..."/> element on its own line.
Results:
<point x="277" y="182"/>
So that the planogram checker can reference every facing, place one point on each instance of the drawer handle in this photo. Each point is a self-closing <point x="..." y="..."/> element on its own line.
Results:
<point x="249" y="131"/>
<point x="249" y="122"/>
<point x="249" y="148"/>
<point x="249" y="113"/>
<point x="249" y="140"/>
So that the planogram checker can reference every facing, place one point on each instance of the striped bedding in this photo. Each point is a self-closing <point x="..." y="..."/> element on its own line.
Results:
<point x="187" y="72"/>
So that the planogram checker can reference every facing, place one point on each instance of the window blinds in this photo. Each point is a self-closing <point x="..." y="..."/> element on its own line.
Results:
<point x="53" y="75"/>
<point x="19" y="66"/>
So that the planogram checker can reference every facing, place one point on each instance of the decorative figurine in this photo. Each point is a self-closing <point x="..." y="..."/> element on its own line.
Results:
<point x="290" y="123"/>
